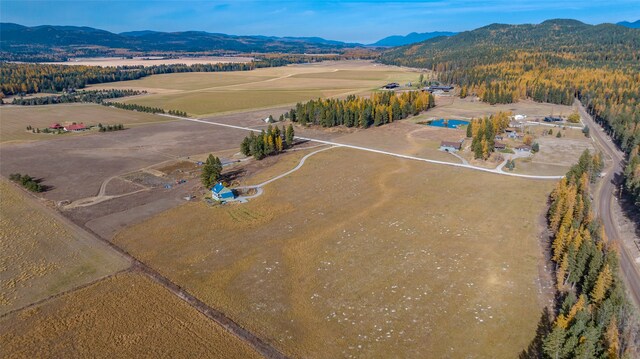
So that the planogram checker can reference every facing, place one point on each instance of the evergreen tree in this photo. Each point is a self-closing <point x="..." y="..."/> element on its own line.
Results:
<point x="211" y="171"/>
<point x="290" y="134"/>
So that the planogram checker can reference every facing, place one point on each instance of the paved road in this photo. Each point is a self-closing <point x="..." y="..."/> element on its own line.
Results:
<point x="605" y="197"/>
<point x="368" y="149"/>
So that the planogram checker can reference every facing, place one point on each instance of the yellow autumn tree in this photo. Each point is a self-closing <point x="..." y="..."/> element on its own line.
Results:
<point x="605" y="278"/>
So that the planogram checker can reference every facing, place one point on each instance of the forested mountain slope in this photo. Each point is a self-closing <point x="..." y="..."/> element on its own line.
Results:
<point x="24" y="43"/>
<point x="554" y="61"/>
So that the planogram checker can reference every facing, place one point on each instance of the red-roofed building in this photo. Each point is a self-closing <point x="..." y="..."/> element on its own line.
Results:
<point x="75" y="127"/>
<point x="56" y="126"/>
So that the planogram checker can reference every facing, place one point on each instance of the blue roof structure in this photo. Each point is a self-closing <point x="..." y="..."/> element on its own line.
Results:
<point x="221" y="192"/>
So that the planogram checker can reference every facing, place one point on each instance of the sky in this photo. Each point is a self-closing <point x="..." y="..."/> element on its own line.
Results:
<point x="351" y="21"/>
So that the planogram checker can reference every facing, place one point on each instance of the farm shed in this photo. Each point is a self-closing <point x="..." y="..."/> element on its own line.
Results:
<point x="450" y="146"/>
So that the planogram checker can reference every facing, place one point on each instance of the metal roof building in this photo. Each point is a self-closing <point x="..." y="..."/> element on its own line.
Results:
<point x="221" y="193"/>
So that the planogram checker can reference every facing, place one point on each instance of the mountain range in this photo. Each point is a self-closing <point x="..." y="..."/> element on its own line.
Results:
<point x="633" y="25"/>
<point x="412" y="38"/>
<point x="15" y="37"/>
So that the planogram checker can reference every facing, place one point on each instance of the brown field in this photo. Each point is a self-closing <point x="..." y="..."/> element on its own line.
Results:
<point x="126" y="316"/>
<point x="15" y="119"/>
<point x="40" y="256"/>
<point x="206" y="94"/>
<point x="139" y="61"/>
<point x="378" y="256"/>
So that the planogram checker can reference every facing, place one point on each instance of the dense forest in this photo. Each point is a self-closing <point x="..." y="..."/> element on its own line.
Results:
<point x="556" y="61"/>
<point x="380" y="108"/>
<point x="592" y="318"/>
<point x="96" y="96"/>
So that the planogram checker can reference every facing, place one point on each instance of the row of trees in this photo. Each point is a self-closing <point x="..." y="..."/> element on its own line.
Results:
<point x="592" y="318"/>
<point x="109" y="128"/>
<point x="96" y="96"/>
<point x="483" y="131"/>
<point x="27" y="182"/>
<point x="140" y="108"/>
<point x="378" y="109"/>
<point x="271" y="142"/>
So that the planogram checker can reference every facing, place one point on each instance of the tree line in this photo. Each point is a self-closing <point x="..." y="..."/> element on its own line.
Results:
<point x="141" y="108"/>
<point x="96" y="96"/>
<point x="27" y="182"/>
<point x="592" y="317"/>
<point x="25" y="78"/>
<point x="268" y="143"/>
<point x="380" y="108"/>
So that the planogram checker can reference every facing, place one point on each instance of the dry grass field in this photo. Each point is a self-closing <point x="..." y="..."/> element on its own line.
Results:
<point x="455" y="107"/>
<point x="378" y="256"/>
<point x="40" y="256"/>
<point x="211" y="93"/>
<point x="15" y="119"/>
<point x="126" y="316"/>
<point x="139" y="61"/>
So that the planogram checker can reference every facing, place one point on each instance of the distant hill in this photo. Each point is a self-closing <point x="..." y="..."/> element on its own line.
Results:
<point x="412" y="38"/>
<point x="632" y="25"/>
<point x="47" y="40"/>
<point x="595" y="43"/>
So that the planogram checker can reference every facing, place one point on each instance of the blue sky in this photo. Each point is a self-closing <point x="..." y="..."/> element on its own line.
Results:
<point x="357" y="21"/>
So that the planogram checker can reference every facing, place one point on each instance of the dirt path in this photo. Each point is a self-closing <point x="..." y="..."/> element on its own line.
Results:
<point x="258" y="187"/>
<point x="368" y="149"/>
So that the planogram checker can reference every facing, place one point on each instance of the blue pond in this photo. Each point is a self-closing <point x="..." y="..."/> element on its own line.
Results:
<point x="448" y="123"/>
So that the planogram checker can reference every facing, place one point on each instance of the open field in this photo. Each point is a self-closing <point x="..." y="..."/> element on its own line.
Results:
<point x="150" y="61"/>
<point x="15" y="119"/>
<point x="455" y="107"/>
<point x="205" y="94"/>
<point x="367" y="252"/>
<point x="208" y="102"/>
<point x="40" y="256"/>
<point x="126" y="316"/>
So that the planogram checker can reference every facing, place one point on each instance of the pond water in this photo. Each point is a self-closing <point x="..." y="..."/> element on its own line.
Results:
<point x="450" y="123"/>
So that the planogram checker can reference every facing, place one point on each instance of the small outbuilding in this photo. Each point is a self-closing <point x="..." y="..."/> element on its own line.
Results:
<point x="523" y="148"/>
<point x="448" y="146"/>
<point x="56" y="126"/>
<point x="221" y="193"/>
<point x="499" y="146"/>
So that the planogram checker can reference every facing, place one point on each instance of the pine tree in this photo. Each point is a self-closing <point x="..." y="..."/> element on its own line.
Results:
<point x="289" y="135"/>
<point x="211" y="171"/>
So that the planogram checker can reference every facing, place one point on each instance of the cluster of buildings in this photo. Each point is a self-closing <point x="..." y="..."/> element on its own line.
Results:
<point x="74" y="127"/>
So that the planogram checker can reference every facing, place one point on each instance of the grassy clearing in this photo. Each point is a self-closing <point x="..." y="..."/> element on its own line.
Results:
<point x="211" y="93"/>
<point x="378" y="256"/>
<point x="454" y="107"/>
<point x="126" y="316"/>
<point x="40" y="256"/>
<point x="15" y="119"/>
<point x="209" y="102"/>
<point x="188" y="80"/>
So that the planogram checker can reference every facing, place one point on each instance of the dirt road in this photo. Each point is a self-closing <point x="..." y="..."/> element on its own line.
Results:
<point x="605" y="197"/>
<point x="368" y="149"/>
